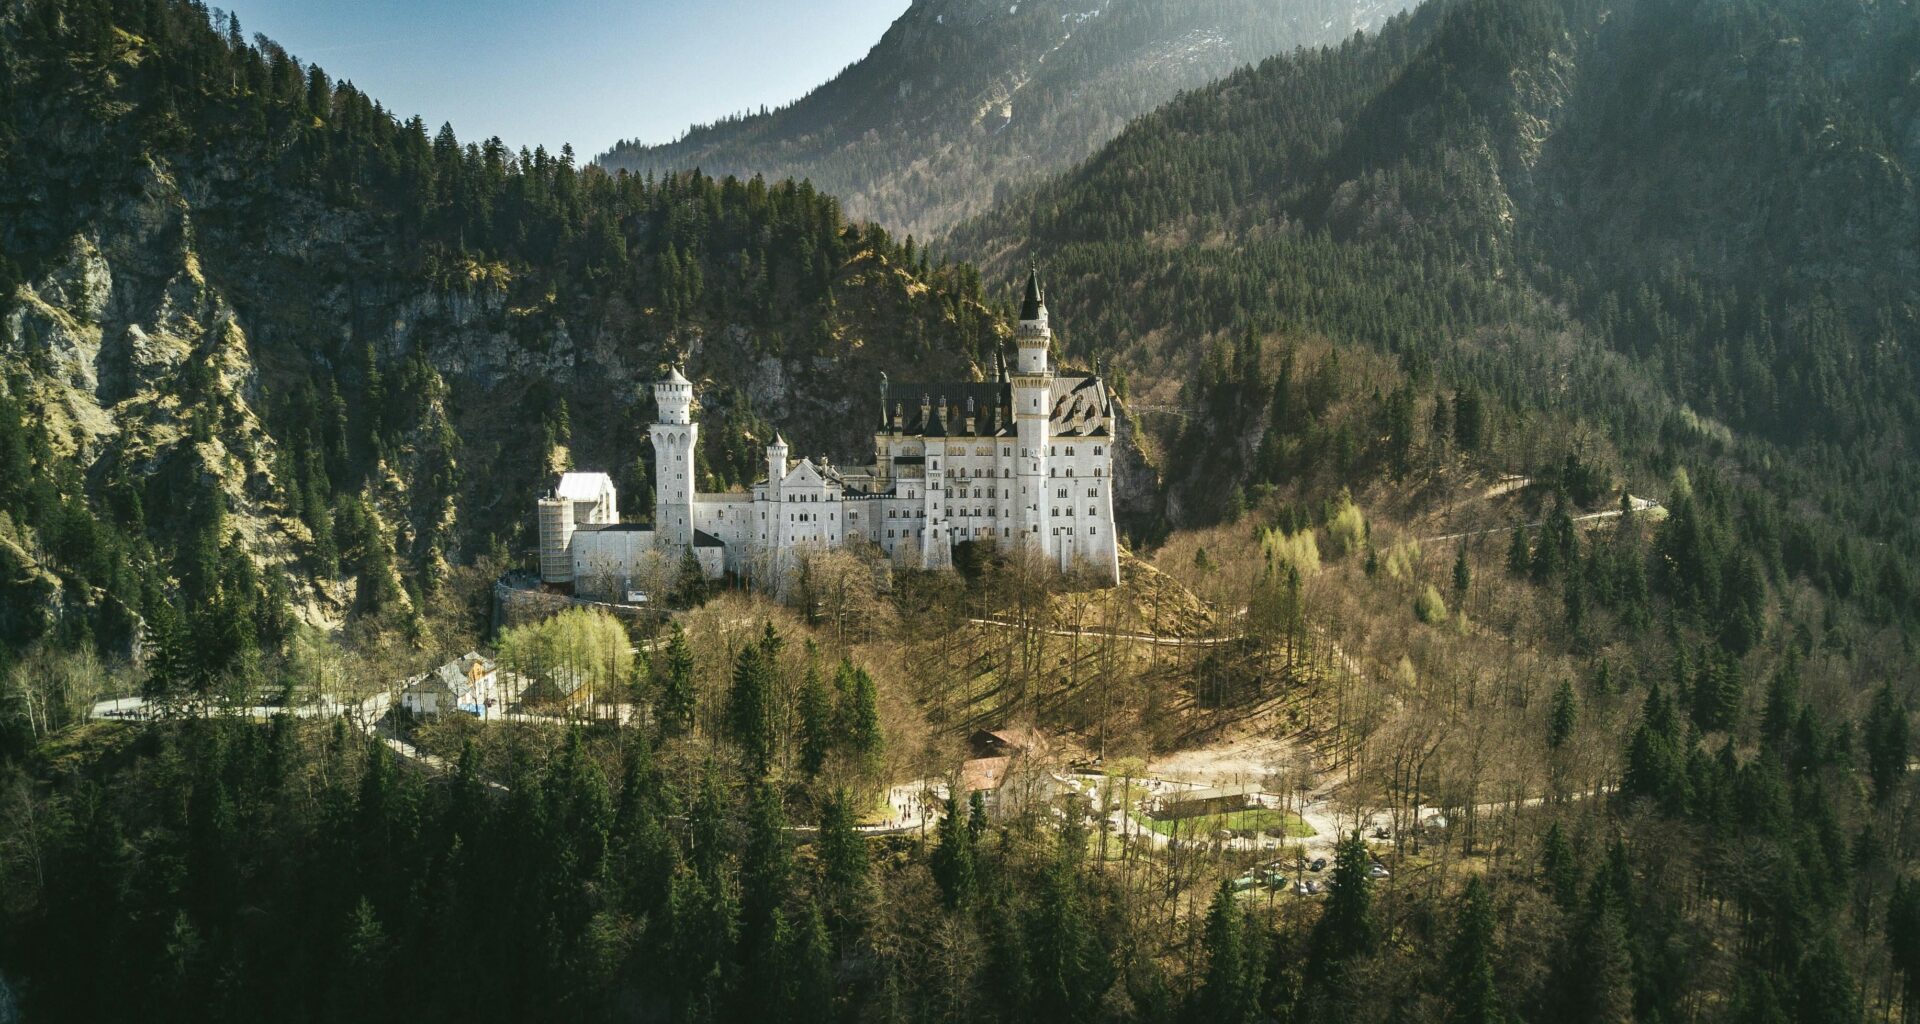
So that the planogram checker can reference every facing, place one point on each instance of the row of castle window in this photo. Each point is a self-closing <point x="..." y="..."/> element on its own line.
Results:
<point x="1007" y="474"/>
<point x="1008" y="451"/>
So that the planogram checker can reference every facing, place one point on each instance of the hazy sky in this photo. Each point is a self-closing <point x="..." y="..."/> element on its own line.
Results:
<point x="554" y="71"/>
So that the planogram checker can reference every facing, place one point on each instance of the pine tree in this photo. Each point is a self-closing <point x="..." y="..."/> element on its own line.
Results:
<point x="1824" y="990"/>
<point x="1469" y="419"/>
<point x="1069" y="966"/>
<point x="766" y="865"/>
<point x="1887" y="742"/>
<point x="1462" y="572"/>
<point x="673" y="690"/>
<point x="1597" y="975"/>
<point x="750" y="709"/>
<point x="1903" y="940"/>
<point x="1472" y="996"/>
<point x="1562" y="714"/>
<point x="857" y="719"/>
<point x="1656" y="762"/>
<point x="843" y="864"/>
<point x="646" y="851"/>
<point x="1346" y="929"/>
<point x="1344" y="934"/>
<point x="805" y="973"/>
<point x="1559" y="867"/>
<point x="816" y="723"/>
<point x="952" y="860"/>
<point x="690" y="586"/>
<point x="1231" y="989"/>
<point x="1519" y="553"/>
<point x="709" y="830"/>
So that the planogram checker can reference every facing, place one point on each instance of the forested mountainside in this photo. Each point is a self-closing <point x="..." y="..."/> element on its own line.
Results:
<point x="1689" y="226"/>
<point x="268" y="348"/>
<point x="962" y="102"/>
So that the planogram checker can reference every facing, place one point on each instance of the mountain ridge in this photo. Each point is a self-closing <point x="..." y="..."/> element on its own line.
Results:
<point x="962" y="102"/>
<point x="1452" y="177"/>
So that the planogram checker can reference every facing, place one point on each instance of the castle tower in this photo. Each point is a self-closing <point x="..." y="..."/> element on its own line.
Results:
<point x="1032" y="410"/>
<point x="674" y="439"/>
<point x="556" y="540"/>
<point x="776" y="466"/>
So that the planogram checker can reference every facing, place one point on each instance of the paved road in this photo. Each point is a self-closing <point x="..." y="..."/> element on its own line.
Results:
<point x="138" y="709"/>
<point x="1639" y="505"/>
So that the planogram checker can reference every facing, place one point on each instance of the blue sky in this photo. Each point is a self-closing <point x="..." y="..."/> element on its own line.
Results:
<point x="554" y="71"/>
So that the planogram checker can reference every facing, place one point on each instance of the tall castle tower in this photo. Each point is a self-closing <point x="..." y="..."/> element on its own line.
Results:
<point x="674" y="438"/>
<point x="1032" y="409"/>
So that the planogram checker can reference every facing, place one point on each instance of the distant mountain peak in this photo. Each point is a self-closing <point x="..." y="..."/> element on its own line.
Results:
<point x="963" y="101"/>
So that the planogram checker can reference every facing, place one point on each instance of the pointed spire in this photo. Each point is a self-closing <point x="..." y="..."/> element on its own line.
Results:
<point x="1035" y="305"/>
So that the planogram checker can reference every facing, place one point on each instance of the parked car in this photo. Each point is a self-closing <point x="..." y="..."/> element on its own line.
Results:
<point x="1244" y="882"/>
<point x="1274" y="880"/>
<point x="1378" y="870"/>
<point x="1319" y="864"/>
<point x="1303" y="888"/>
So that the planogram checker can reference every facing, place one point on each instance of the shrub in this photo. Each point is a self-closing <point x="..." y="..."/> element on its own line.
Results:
<point x="1402" y="559"/>
<point x="1347" y="530"/>
<point x="1297" y="551"/>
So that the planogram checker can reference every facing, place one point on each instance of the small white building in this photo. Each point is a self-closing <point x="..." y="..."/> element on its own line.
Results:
<point x="470" y="683"/>
<point x="1024" y="461"/>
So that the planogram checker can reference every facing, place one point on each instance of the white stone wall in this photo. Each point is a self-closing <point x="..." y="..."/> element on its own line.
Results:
<point x="607" y="564"/>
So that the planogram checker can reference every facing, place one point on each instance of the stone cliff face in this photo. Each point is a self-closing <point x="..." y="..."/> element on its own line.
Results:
<point x="105" y="342"/>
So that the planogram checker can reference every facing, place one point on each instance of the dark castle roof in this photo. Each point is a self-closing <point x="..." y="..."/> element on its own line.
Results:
<point x="1082" y="407"/>
<point x="1036" y="301"/>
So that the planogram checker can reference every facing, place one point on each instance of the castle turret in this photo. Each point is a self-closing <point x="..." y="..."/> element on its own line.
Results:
<point x="776" y="466"/>
<point x="675" y="437"/>
<point x="1033" y="335"/>
<point x="1032" y="410"/>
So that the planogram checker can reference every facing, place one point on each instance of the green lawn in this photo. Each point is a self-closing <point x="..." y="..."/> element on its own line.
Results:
<point x="1207" y="824"/>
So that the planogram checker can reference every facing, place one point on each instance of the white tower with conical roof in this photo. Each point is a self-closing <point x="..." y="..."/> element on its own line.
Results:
<point x="1032" y="382"/>
<point x="675" y="436"/>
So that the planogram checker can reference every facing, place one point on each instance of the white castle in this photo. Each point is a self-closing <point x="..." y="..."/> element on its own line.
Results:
<point x="1022" y="462"/>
